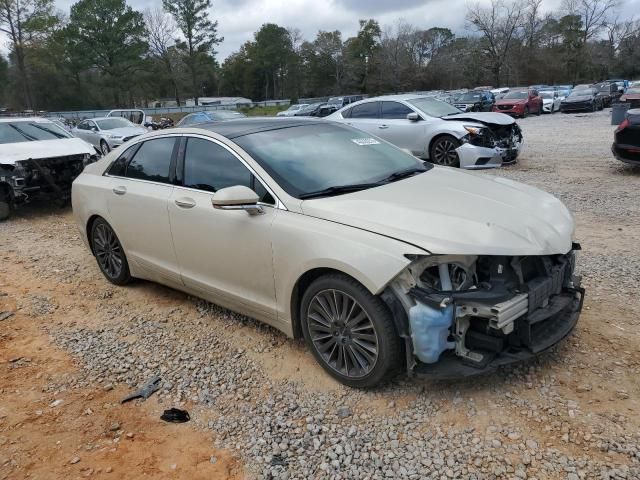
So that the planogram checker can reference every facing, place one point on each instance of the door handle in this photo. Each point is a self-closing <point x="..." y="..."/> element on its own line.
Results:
<point x="185" y="202"/>
<point x="120" y="190"/>
<point x="382" y="127"/>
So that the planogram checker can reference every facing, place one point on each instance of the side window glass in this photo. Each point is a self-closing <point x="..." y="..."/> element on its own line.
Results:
<point x="347" y="113"/>
<point x="263" y="193"/>
<point x="210" y="167"/>
<point x="152" y="161"/>
<point x="395" y="110"/>
<point x="119" y="167"/>
<point x="365" y="110"/>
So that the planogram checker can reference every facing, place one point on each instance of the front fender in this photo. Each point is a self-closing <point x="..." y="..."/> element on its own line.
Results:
<point x="302" y="243"/>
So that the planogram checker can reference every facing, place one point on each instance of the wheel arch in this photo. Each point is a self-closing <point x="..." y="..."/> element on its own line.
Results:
<point x="89" y="226"/>
<point x="440" y="135"/>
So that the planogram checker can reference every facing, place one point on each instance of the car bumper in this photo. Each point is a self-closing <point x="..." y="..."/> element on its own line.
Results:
<point x="626" y="153"/>
<point x="550" y="333"/>
<point x="474" y="157"/>
<point x="518" y="112"/>
<point x="547" y="107"/>
<point x="582" y="107"/>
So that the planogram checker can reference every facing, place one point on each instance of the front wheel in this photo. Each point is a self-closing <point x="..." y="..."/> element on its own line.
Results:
<point x="350" y="331"/>
<point x="525" y="114"/>
<point x="109" y="253"/>
<point x="539" y="111"/>
<point x="443" y="151"/>
<point x="5" y="210"/>
<point x="104" y="147"/>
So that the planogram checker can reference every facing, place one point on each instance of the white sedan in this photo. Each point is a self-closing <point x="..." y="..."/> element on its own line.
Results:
<point x="379" y="261"/>
<point x="550" y="101"/>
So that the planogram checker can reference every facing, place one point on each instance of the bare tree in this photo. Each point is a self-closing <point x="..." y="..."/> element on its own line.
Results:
<point x="498" y="24"/>
<point x="162" y="30"/>
<point x="594" y="14"/>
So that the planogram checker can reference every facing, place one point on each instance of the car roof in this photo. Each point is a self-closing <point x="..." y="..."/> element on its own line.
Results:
<point x="245" y="126"/>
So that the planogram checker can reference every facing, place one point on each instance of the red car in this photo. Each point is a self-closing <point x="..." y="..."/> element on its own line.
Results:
<point x="632" y="97"/>
<point x="519" y="103"/>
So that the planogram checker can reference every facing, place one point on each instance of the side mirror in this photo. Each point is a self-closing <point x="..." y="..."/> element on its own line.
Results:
<point x="94" y="129"/>
<point x="413" y="117"/>
<point x="238" y="197"/>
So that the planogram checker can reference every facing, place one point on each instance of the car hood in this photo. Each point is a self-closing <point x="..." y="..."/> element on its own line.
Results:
<point x="487" y="118"/>
<point x="630" y="96"/>
<point x="10" y="153"/>
<point x="510" y="101"/>
<point x="126" y="131"/>
<point x="446" y="211"/>
<point x="581" y="98"/>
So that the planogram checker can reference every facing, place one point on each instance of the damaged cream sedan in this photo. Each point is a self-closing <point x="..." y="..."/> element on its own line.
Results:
<point x="382" y="263"/>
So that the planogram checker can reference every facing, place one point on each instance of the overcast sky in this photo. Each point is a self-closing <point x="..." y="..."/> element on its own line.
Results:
<point x="239" y="19"/>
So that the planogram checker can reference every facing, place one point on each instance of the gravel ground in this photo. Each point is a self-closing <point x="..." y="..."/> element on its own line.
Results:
<point x="571" y="415"/>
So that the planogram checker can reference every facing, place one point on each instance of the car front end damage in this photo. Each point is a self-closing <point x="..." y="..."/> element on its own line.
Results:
<point x="464" y="315"/>
<point x="490" y="146"/>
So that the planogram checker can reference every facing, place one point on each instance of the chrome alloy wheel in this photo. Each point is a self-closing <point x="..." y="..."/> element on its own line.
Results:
<point x="444" y="152"/>
<point x="342" y="333"/>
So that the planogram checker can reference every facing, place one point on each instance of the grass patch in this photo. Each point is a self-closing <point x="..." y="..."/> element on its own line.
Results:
<point x="263" y="111"/>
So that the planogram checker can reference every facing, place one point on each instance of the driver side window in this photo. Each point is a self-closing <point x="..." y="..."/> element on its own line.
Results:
<point x="210" y="167"/>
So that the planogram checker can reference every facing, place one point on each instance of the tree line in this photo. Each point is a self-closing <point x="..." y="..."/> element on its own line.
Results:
<point x="106" y="54"/>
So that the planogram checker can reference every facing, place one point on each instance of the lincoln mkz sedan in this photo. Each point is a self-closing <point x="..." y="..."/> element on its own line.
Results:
<point x="381" y="262"/>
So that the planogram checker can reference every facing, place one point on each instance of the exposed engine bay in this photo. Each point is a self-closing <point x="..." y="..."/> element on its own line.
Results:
<point x="475" y="312"/>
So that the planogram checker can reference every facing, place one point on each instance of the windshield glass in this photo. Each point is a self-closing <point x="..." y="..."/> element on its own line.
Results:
<point x="605" y="88"/>
<point x="335" y="101"/>
<point x="519" y="95"/>
<point x="469" y="97"/>
<point x="633" y="90"/>
<point x="224" y="115"/>
<point x="546" y="94"/>
<point x="29" y="131"/>
<point x="581" y="93"/>
<point x="433" y="107"/>
<point x="312" y="158"/>
<point x="111" y="123"/>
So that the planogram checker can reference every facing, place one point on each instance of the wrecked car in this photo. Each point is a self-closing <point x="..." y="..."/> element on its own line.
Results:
<point x="437" y="131"/>
<point x="38" y="157"/>
<point x="381" y="262"/>
<point x="626" y="141"/>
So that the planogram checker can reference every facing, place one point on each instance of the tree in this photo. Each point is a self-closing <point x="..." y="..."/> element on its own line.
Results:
<point x="4" y="79"/>
<point x="108" y="35"/>
<point x="272" y="51"/>
<point x="594" y="14"/>
<point x="161" y="30"/>
<point x="25" y="22"/>
<point x="498" y="25"/>
<point x="199" y="31"/>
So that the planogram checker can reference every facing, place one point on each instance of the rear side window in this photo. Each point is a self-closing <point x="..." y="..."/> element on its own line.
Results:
<point x="395" y="110"/>
<point x="365" y="110"/>
<point x="152" y="161"/>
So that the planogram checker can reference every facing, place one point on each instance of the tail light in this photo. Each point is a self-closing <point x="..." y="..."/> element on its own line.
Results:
<point x="625" y="123"/>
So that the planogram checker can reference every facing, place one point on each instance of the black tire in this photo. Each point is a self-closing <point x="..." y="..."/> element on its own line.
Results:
<point x="109" y="253"/>
<point x="525" y="114"/>
<point x="442" y="151"/>
<point x="5" y="210"/>
<point x="104" y="147"/>
<point x="594" y="107"/>
<point x="333" y="327"/>
<point x="539" y="111"/>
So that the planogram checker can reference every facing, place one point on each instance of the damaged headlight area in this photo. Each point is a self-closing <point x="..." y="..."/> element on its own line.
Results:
<point x="466" y="314"/>
<point x="495" y="136"/>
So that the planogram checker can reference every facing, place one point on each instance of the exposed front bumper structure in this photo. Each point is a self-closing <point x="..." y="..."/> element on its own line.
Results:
<point x="629" y="154"/>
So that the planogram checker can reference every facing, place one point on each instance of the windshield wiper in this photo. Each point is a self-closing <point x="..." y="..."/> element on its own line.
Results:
<point x="338" y="189"/>
<point x="23" y="133"/>
<point x="48" y="130"/>
<point x="403" y="174"/>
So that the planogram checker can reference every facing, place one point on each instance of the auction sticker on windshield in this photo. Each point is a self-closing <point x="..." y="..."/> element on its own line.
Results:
<point x="365" y="141"/>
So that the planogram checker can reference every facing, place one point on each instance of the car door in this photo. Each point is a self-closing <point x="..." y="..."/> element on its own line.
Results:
<point x="140" y="187"/>
<point x="224" y="255"/>
<point x="397" y="129"/>
<point x="84" y="132"/>
<point x="366" y="116"/>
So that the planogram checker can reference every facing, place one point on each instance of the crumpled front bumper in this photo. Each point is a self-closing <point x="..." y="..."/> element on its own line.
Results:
<point x="554" y="330"/>
<point x="475" y="157"/>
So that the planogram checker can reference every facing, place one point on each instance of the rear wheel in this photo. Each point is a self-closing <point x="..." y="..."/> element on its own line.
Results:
<point x="539" y="111"/>
<point x="5" y="210"/>
<point x="443" y="151"/>
<point x="350" y="331"/>
<point x="109" y="253"/>
<point x="525" y="114"/>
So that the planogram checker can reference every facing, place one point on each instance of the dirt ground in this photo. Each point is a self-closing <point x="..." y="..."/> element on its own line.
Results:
<point x="53" y="425"/>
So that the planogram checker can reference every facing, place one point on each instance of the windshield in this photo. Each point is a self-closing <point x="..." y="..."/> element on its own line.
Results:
<point x="546" y="94"/>
<point x="312" y="158"/>
<point x="517" y="95"/>
<point x="469" y="97"/>
<point x="581" y="93"/>
<point x="433" y="107"/>
<point x="605" y="88"/>
<point x="29" y="131"/>
<point x="111" y="123"/>
<point x="311" y="107"/>
<point x="224" y="115"/>
<point x="633" y="90"/>
<point x="335" y="101"/>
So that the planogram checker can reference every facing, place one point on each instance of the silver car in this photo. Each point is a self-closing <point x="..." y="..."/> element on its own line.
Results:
<point x="292" y="110"/>
<point x="107" y="133"/>
<point x="437" y="131"/>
